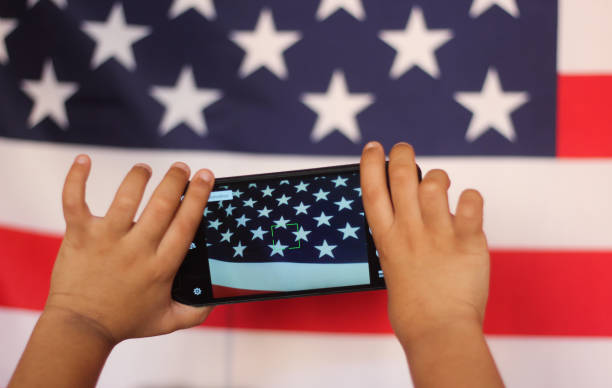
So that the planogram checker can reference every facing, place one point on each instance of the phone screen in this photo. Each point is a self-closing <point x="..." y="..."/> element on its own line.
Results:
<point x="278" y="235"/>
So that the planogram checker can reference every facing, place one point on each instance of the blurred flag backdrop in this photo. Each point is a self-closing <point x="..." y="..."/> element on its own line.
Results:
<point x="511" y="97"/>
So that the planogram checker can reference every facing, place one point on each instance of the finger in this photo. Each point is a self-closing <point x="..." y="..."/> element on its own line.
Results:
<point x="76" y="211"/>
<point x="121" y="213"/>
<point x="433" y="200"/>
<point x="162" y="206"/>
<point x="183" y="316"/>
<point x="376" y="199"/>
<point x="404" y="183"/>
<point x="469" y="214"/>
<point x="183" y="227"/>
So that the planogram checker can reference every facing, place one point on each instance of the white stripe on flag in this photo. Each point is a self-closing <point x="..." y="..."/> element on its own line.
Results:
<point x="539" y="203"/>
<point x="279" y="276"/>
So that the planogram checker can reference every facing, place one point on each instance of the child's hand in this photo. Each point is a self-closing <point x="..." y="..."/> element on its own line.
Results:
<point x="436" y="265"/>
<point x="116" y="274"/>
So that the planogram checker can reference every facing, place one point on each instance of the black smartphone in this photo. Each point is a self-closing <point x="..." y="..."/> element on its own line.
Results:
<point x="280" y="235"/>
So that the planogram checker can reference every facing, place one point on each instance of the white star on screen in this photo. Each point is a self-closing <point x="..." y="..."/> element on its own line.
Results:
<point x="206" y="211"/>
<point x="49" y="97"/>
<point x="301" y="234"/>
<point x="284" y="182"/>
<point x="301" y="187"/>
<point x="267" y="191"/>
<point x="337" y="109"/>
<point x="114" y="38"/>
<point x="277" y="248"/>
<point x="281" y="222"/>
<point x="329" y="7"/>
<point x="214" y="224"/>
<point x="344" y="204"/>
<point x="323" y="219"/>
<point x="339" y="181"/>
<point x="226" y="236"/>
<point x="249" y="202"/>
<point x="253" y="185"/>
<point x="241" y="221"/>
<point x="237" y="193"/>
<point x="325" y="249"/>
<point x="184" y="103"/>
<point x="283" y="200"/>
<point x="301" y="209"/>
<point x="239" y="249"/>
<point x="321" y="195"/>
<point x="229" y="209"/>
<point x="258" y="233"/>
<point x="349" y="231"/>
<point x="358" y="190"/>
<point x="205" y="7"/>
<point x="415" y="45"/>
<point x="491" y="108"/>
<point x="6" y="27"/>
<point x="265" y="212"/>
<point x="264" y="46"/>
<point x="481" y="6"/>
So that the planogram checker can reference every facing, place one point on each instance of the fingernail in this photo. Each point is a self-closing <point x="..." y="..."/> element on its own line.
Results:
<point x="81" y="159"/>
<point x="370" y="145"/>
<point x="205" y="175"/>
<point x="145" y="166"/>
<point x="182" y="166"/>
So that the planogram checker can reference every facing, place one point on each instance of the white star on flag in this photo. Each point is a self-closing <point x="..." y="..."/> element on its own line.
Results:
<point x="6" y="27"/>
<point x="265" y="212"/>
<point x="481" y="6"/>
<point x="226" y="236"/>
<point x="325" y="249"/>
<point x="349" y="231"/>
<point x="329" y="7"/>
<point x="114" y="38"/>
<point x="344" y="204"/>
<point x="49" y="97"/>
<point x="277" y="248"/>
<point x="283" y="200"/>
<point x="323" y="219"/>
<point x="301" y="234"/>
<point x="239" y="249"/>
<point x="264" y="46"/>
<point x="491" y="108"/>
<point x="321" y="195"/>
<point x="301" y="209"/>
<point x="184" y="103"/>
<point x="415" y="45"/>
<point x="58" y="3"/>
<point x="205" y="7"/>
<point x="258" y="233"/>
<point x="337" y="109"/>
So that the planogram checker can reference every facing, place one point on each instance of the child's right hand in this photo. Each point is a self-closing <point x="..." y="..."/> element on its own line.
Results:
<point x="436" y="264"/>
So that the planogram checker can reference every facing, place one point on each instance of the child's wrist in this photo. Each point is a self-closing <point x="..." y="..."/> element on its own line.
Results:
<point x="442" y="332"/>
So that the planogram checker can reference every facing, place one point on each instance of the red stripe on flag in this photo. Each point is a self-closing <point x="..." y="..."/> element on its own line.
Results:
<point x="532" y="293"/>
<point x="584" y="119"/>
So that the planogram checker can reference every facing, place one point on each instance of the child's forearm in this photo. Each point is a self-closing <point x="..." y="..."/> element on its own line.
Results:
<point x="455" y="355"/>
<point x="65" y="350"/>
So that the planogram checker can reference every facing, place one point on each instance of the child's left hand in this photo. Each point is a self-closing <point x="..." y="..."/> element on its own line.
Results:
<point x="116" y="274"/>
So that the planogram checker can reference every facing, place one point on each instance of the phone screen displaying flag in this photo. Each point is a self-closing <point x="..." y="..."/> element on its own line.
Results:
<point x="281" y="235"/>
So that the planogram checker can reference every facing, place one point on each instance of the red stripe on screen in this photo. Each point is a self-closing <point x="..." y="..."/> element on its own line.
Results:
<point x="226" y="292"/>
<point x="532" y="293"/>
<point x="584" y="119"/>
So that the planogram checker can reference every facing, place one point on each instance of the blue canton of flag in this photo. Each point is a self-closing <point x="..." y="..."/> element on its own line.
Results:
<point x="316" y="76"/>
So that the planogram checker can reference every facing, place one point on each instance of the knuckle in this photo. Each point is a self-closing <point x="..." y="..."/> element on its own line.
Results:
<point x="126" y="203"/>
<point x="430" y="187"/>
<point x="373" y="191"/>
<point x="164" y="205"/>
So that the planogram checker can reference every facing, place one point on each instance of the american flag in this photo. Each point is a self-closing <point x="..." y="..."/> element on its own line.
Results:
<point x="511" y="97"/>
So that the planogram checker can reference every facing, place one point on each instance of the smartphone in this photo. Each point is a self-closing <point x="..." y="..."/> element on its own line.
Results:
<point x="280" y="235"/>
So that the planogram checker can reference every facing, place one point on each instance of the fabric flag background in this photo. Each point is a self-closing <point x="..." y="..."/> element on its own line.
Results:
<point x="511" y="97"/>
